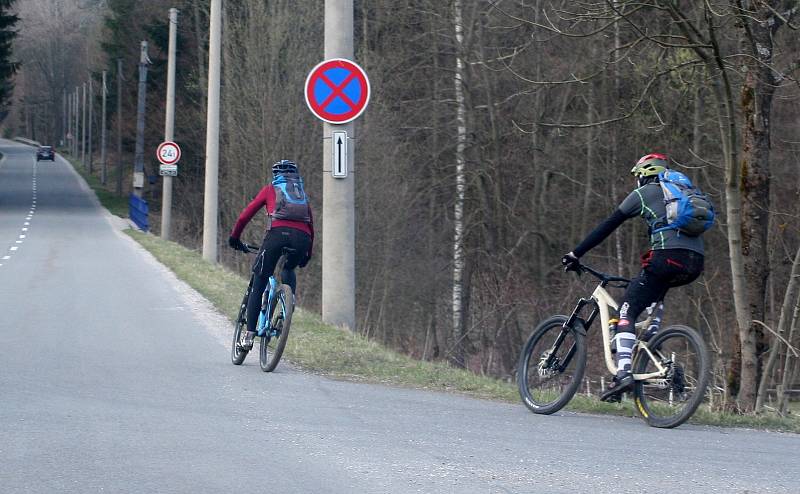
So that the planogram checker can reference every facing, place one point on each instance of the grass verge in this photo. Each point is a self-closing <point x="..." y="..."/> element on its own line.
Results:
<point x="323" y="349"/>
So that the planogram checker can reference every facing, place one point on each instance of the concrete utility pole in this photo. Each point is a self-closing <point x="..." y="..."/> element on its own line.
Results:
<point x="138" y="160"/>
<point x="83" y="127"/>
<point x="103" y="131"/>
<point x="77" y="121"/>
<point x="91" y="123"/>
<point x="338" y="225"/>
<point x="119" y="127"/>
<point x="68" y="141"/>
<point x="169" y="125"/>
<point x="64" y="117"/>
<point x="212" y="134"/>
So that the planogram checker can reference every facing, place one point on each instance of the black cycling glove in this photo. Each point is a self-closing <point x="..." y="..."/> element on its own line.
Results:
<point x="570" y="262"/>
<point x="237" y="244"/>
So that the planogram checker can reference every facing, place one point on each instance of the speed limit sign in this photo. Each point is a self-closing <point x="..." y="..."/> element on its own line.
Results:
<point x="168" y="153"/>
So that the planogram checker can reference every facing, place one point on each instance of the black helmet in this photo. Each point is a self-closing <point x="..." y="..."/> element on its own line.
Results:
<point x="284" y="166"/>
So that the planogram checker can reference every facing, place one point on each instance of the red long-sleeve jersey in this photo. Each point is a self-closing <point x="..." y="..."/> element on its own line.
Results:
<point x="266" y="199"/>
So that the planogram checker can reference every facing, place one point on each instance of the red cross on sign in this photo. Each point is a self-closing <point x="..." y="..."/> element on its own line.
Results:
<point x="337" y="91"/>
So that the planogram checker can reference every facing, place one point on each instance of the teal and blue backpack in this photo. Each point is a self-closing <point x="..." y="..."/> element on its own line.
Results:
<point x="291" y="202"/>
<point x="689" y="210"/>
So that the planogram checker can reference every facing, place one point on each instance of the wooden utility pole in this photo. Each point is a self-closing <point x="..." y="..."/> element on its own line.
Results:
<point x="138" y="160"/>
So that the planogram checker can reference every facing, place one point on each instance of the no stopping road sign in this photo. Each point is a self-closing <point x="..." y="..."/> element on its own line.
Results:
<point x="337" y="91"/>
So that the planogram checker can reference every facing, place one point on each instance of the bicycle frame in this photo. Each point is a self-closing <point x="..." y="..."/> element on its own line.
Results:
<point x="602" y="300"/>
<point x="270" y="292"/>
<point x="263" y="316"/>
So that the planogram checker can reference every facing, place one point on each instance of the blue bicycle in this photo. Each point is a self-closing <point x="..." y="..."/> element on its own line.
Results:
<point x="274" y="320"/>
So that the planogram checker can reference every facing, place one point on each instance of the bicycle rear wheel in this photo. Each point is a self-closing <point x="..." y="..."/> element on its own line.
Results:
<point x="274" y="341"/>
<point x="551" y="366"/>
<point x="238" y="354"/>
<point x="669" y="400"/>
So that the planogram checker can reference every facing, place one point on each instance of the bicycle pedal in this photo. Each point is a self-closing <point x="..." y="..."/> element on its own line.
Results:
<point x="614" y="398"/>
<point x="614" y="394"/>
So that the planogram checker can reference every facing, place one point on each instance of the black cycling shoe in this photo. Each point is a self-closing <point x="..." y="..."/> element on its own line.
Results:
<point x="614" y="393"/>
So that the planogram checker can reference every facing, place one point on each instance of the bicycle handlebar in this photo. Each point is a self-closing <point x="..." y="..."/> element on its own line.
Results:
<point x="603" y="277"/>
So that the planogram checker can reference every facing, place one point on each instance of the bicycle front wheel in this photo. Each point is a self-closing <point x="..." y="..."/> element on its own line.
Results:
<point x="551" y="366"/>
<point x="274" y="340"/>
<point x="238" y="354"/>
<point x="669" y="399"/>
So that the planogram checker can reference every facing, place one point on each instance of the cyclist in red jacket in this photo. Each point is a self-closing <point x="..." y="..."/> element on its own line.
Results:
<point x="291" y="224"/>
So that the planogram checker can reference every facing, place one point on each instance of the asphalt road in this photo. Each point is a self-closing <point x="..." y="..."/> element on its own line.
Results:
<point x="115" y="377"/>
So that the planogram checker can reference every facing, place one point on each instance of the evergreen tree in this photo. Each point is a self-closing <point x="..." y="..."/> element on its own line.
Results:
<point x="8" y="67"/>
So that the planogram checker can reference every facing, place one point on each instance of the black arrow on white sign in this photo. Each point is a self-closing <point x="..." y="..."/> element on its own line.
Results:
<point x="339" y="155"/>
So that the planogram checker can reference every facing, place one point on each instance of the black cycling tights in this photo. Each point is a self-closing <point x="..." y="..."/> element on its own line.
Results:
<point x="661" y="270"/>
<point x="274" y="242"/>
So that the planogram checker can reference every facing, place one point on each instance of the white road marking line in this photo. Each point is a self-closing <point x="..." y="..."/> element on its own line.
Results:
<point x="22" y="236"/>
<point x="27" y="224"/>
<point x="13" y="248"/>
<point x="6" y="257"/>
<point x="24" y="229"/>
<point x="19" y="241"/>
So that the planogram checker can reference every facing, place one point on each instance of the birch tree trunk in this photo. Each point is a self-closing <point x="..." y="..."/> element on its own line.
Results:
<point x="615" y="142"/>
<point x="458" y="213"/>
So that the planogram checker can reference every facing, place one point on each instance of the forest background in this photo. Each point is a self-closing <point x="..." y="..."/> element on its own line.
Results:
<point x="513" y="121"/>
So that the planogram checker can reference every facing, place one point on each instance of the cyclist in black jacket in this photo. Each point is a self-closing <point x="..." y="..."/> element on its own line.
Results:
<point x="674" y="259"/>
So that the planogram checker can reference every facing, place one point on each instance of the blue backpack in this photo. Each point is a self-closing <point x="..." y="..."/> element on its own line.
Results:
<point x="689" y="210"/>
<point x="291" y="202"/>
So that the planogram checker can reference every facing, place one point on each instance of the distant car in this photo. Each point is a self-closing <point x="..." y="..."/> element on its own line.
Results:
<point x="45" y="153"/>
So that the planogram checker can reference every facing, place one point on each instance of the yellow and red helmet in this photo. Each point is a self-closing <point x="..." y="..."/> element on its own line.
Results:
<point x="650" y="165"/>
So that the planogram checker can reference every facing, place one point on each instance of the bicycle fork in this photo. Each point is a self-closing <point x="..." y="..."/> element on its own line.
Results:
<point x="580" y="325"/>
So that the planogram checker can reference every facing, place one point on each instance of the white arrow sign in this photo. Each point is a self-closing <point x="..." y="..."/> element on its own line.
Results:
<point x="339" y="145"/>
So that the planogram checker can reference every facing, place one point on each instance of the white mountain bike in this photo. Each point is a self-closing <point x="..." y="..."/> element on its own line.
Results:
<point x="670" y="369"/>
